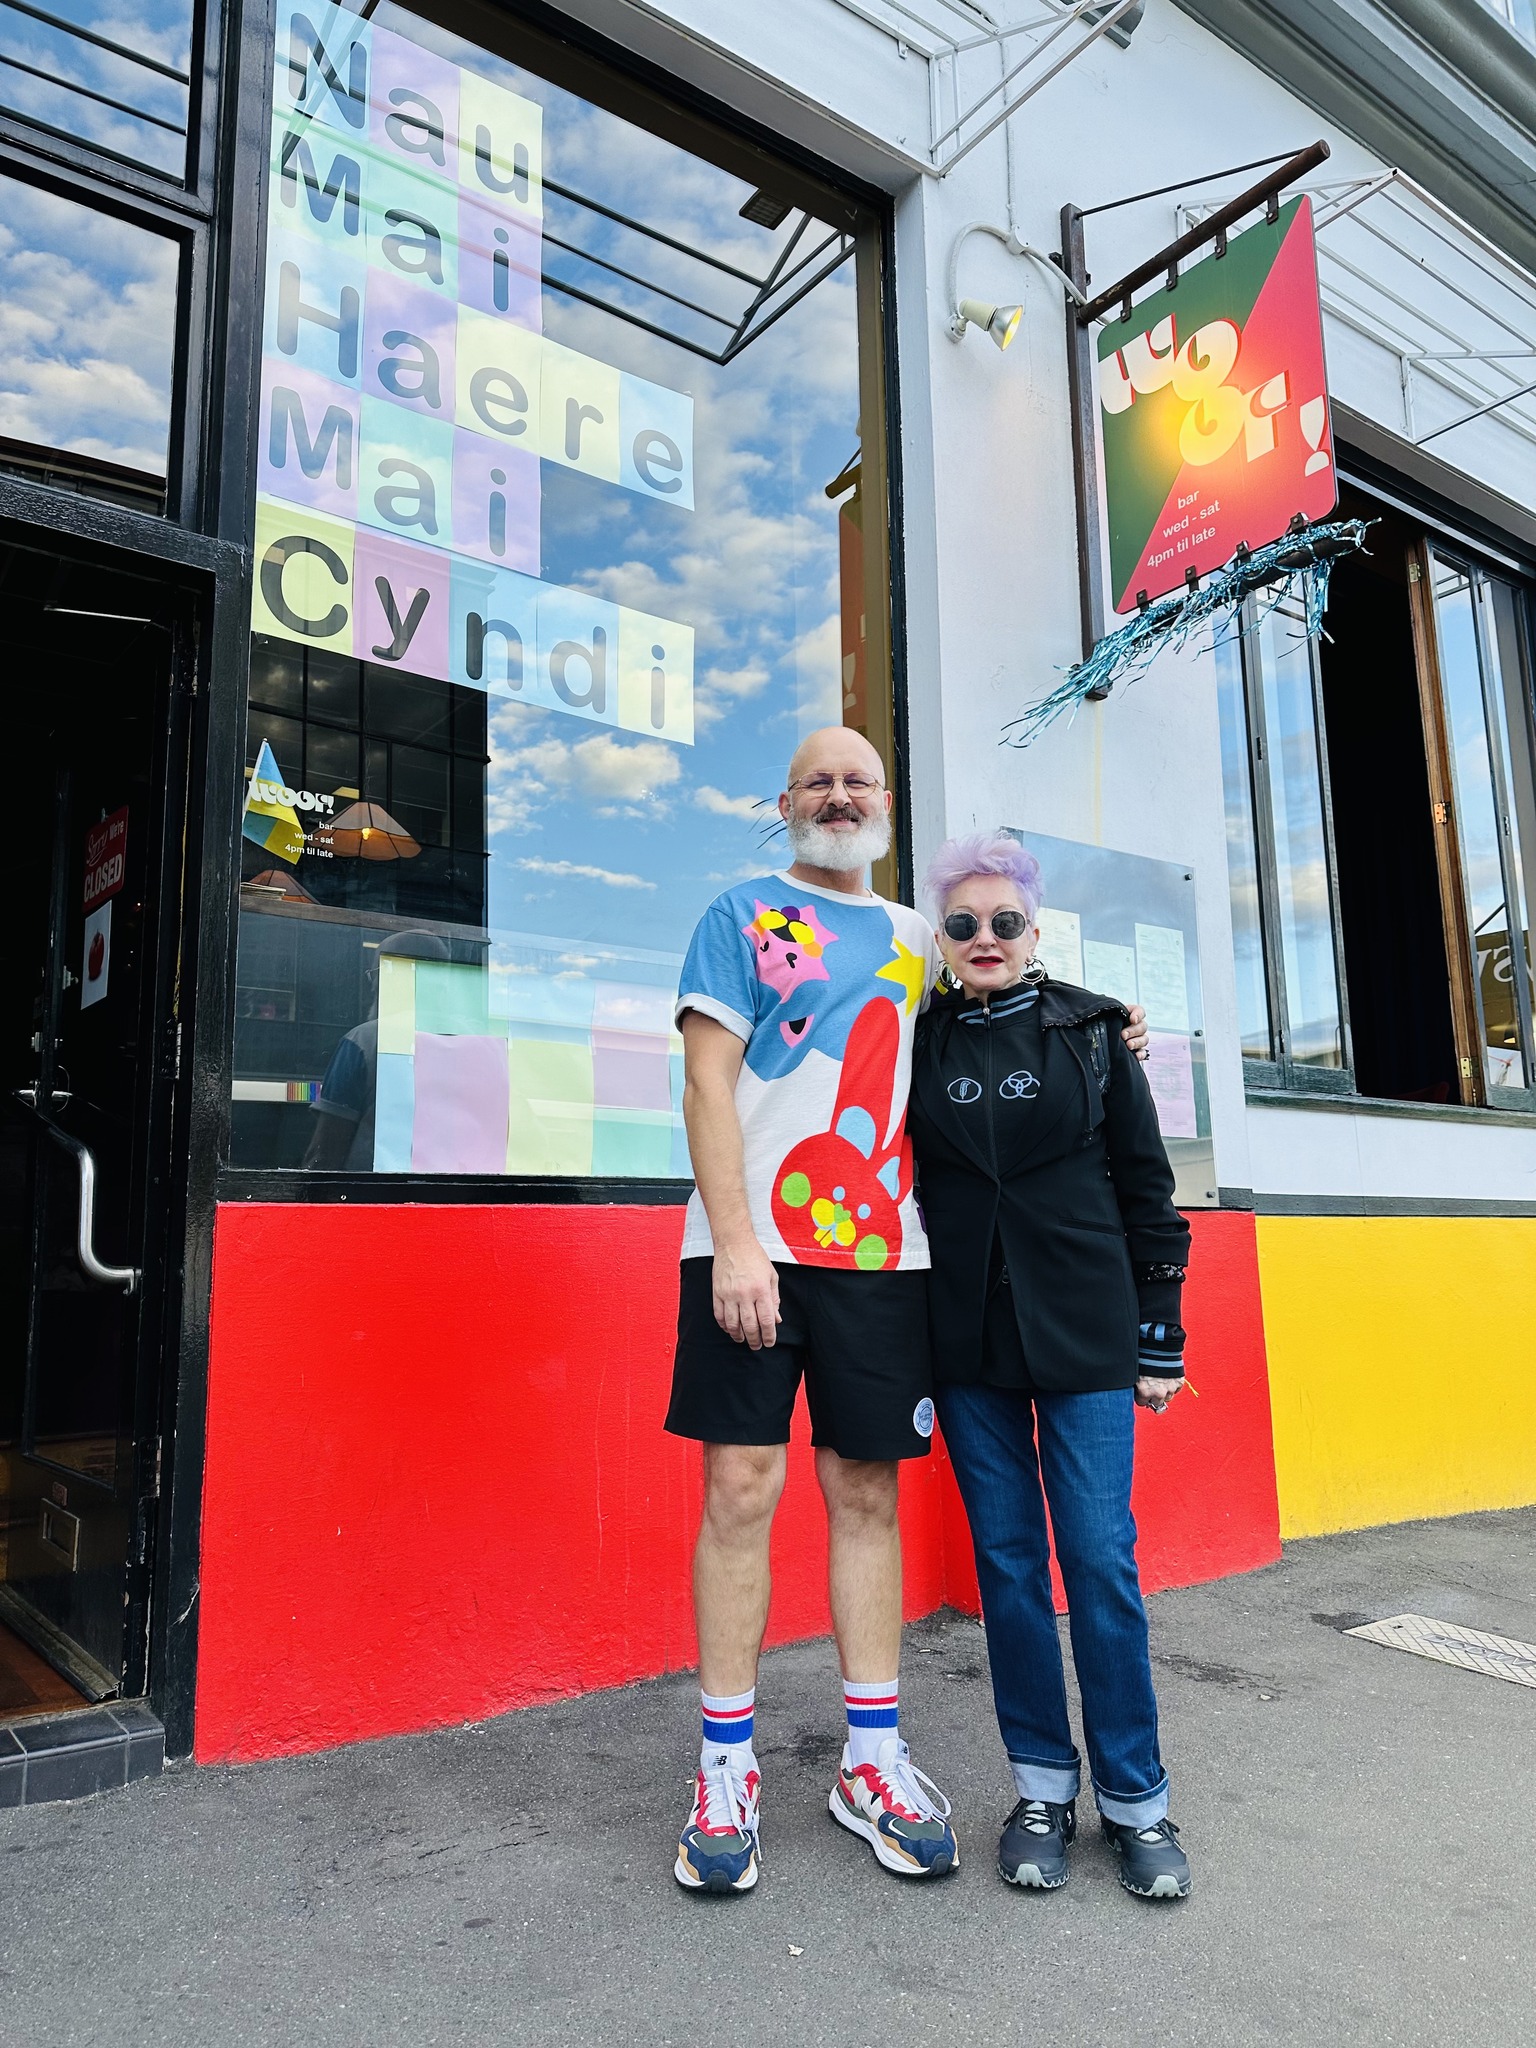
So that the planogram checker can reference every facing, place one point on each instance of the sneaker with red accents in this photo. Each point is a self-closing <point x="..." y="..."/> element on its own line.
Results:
<point x="718" y="1849"/>
<point x="902" y="1814"/>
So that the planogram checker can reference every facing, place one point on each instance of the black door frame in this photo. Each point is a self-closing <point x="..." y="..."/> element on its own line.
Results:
<point x="196" y="1018"/>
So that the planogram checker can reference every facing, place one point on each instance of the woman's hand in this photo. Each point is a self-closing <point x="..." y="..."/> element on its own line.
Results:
<point x="1156" y="1394"/>
<point x="1135" y="1033"/>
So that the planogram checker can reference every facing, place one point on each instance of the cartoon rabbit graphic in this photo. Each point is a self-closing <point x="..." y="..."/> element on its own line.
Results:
<point x="840" y="1191"/>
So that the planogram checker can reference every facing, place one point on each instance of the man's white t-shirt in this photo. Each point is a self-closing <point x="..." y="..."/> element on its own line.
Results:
<point x="825" y="990"/>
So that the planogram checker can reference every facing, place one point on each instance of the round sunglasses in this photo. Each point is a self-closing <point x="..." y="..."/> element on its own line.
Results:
<point x="961" y="925"/>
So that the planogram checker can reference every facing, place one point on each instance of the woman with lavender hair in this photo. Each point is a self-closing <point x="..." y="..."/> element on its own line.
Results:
<point x="1058" y="1258"/>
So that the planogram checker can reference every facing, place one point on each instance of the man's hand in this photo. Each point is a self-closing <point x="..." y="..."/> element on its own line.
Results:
<point x="1135" y="1033"/>
<point x="1156" y="1394"/>
<point x="747" y="1295"/>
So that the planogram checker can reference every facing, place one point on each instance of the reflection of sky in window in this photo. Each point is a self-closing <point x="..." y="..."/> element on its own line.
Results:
<point x="594" y="835"/>
<point x="1306" y="920"/>
<point x="1477" y="818"/>
<point x="117" y="99"/>
<point x="1242" y="860"/>
<point x="87" y="320"/>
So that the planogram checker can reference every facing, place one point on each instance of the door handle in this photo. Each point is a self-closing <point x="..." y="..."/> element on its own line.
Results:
<point x="125" y="1277"/>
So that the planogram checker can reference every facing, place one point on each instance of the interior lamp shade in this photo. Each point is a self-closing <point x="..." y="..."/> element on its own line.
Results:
<point x="366" y="831"/>
<point x="1001" y="323"/>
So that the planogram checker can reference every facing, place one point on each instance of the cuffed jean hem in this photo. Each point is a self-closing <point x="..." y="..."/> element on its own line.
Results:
<point x="1144" y="1811"/>
<point x="1057" y="1784"/>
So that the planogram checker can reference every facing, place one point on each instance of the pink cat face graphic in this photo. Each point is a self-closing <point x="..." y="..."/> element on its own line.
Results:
<point x="788" y="944"/>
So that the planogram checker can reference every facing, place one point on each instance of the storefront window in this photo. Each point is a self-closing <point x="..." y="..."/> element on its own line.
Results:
<point x="570" y="519"/>
<point x="90" y="327"/>
<point x="117" y="79"/>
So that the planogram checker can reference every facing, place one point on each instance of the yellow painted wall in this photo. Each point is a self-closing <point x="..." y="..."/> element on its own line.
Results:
<point x="1402" y="1366"/>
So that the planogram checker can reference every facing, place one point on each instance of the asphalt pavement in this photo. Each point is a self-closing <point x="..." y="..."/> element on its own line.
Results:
<point x="1360" y="1822"/>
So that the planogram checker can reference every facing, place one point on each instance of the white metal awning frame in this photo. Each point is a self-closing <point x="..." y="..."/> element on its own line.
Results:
<point x="961" y="41"/>
<point x="1469" y="331"/>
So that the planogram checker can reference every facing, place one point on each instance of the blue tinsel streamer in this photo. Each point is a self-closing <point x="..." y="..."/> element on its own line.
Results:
<point x="1298" y="564"/>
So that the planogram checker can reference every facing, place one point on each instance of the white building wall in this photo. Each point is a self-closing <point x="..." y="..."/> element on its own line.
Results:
<point x="989" y="532"/>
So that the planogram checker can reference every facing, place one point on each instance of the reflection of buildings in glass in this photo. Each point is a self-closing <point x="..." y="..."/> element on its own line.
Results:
<point x="397" y="767"/>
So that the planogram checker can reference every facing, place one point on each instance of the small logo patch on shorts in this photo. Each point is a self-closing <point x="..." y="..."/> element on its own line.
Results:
<point x="922" y="1417"/>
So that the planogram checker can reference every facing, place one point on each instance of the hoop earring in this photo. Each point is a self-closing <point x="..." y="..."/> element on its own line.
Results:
<point x="949" y="984"/>
<point x="1034" y="972"/>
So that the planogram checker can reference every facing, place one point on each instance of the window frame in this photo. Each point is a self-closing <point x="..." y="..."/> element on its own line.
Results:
<point x="1281" y="1077"/>
<point x="1281" y="1072"/>
<point x="586" y="53"/>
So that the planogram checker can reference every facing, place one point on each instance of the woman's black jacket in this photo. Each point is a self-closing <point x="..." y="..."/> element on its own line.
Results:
<point x="1079" y="1197"/>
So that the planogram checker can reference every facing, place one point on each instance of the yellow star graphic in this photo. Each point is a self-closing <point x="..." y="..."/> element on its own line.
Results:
<point x="909" y="970"/>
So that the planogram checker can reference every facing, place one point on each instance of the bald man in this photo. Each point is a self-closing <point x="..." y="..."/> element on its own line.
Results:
<point x="804" y="1256"/>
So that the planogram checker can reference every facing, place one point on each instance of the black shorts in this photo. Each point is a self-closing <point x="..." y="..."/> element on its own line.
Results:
<point x="860" y="1339"/>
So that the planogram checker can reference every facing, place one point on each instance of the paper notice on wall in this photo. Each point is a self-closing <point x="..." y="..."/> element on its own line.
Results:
<point x="1171" y="1076"/>
<point x="1160" y="976"/>
<point x="97" y="962"/>
<point x="1110" y="970"/>
<point x="1060" y="951"/>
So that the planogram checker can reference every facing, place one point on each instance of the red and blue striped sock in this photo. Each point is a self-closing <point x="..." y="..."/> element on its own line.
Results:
<point x="871" y="1719"/>
<point x="728" y="1725"/>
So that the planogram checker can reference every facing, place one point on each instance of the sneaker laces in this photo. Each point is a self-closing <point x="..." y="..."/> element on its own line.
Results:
<point x="721" y="1792"/>
<point x="917" y="1789"/>
<point x="1160" y="1831"/>
<point x="1036" y="1816"/>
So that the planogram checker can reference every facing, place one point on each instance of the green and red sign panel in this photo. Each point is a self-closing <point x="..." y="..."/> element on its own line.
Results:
<point x="1213" y="406"/>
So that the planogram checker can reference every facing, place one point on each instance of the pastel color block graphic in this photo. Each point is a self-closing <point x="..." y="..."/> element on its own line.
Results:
<point x="394" y="1112"/>
<point x="310" y="440"/>
<point x="495" y="502"/>
<point x="656" y="677"/>
<point x="412" y="227"/>
<point x="499" y="369"/>
<point x="406" y="486"/>
<point x="461" y="1104"/>
<point x="630" y="1071"/>
<point x="493" y="632"/>
<point x="413" y="103"/>
<point x="318" y="183"/>
<point x="397" y="1005"/>
<point x="452" y="998"/>
<point x="302" y="588"/>
<point x="409" y="337"/>
<point x="655" y="440"/>
<point x="333" y="94"/>
<point x="402" y="603"/>
<point x="500" y="260"/>
<point x="501" y="145"/>
<point x="314" y="309"/>
<point x="578" y="662"/>
<point x="549" y="1127"/>
<point x="579" y="412"/>
<point x="631" y="1143"/>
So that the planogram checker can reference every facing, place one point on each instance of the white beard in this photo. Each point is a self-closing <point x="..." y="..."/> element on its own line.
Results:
<point x="823" y="846"/>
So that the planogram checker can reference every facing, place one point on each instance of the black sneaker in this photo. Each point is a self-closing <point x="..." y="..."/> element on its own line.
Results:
<point x="1033" y="1848"/>
<point x="1152" y="1865"/>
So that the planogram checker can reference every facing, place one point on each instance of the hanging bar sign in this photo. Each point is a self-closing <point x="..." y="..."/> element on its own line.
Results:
<point x="1214" y="411"/>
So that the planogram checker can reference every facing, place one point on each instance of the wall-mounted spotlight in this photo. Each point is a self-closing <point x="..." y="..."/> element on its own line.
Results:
<point x="999" y="323"/>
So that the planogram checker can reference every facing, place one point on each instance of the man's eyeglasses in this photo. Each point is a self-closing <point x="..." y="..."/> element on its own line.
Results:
<point x="961" y="925"/>
<point x="823" y="785"/>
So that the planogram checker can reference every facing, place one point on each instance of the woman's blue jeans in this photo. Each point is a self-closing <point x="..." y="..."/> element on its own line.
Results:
<point x="1084" y="1459"/>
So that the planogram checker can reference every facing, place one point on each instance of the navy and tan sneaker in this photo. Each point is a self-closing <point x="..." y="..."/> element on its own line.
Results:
<point x="1033" y="1847"/>
<point x="902" y="1814"/>
<point x="1152" y="1865"/>
<point x="718" y="1849"/>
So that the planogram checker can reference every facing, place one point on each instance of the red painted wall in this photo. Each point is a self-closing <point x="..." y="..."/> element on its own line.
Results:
<point x="437" y="1485"/>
